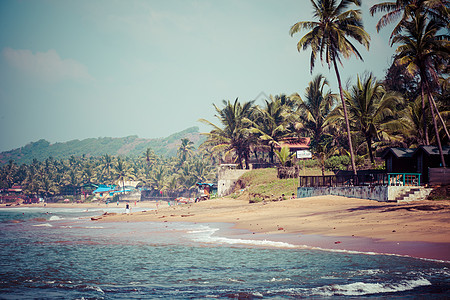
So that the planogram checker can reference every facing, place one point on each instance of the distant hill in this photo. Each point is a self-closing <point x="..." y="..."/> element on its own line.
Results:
<point x="127" y="146"/>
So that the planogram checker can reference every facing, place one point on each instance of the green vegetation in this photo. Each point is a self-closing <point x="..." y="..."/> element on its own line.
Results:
<point x="170" y="176"/>
<point x="263" y="184"/>
<point x="127" y="146"/>
<point x="408" y="108"/>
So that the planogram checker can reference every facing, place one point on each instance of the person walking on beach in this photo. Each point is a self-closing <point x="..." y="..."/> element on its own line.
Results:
<point x="127" y="208"/>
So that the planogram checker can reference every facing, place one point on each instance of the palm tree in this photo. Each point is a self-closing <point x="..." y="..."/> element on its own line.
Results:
<point x="270" y="123"/>
<point x="235" y="136"/>
<point x="158" y="178"/>
<point x="124" y="172"/>
<point x="403" y="9"/>
<point x="372" y="110"/>
<point x="185" y="150"/>
<point x="150" y="157"/>
<point x="328" y="38"/>
<point x="107" y="165"/>
<point x="422" y="50"/>
<point x="314" y="110"/>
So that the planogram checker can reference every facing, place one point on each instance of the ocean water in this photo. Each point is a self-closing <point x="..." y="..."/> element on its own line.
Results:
<point x="59" y="253"/>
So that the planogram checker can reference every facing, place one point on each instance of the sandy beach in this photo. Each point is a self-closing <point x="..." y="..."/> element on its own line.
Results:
<point x="418" y="226"/>
<point x="421" y="221"/>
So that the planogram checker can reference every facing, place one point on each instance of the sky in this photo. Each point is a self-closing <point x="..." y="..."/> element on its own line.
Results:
<point x="88" y="69"/>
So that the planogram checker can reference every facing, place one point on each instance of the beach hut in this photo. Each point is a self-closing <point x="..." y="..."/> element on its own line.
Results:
<point x="427" y="159"/>
<point x="400" y="160"/>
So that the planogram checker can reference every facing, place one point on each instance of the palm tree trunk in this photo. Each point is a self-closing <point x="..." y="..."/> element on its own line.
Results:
<point x="425" y="127"/>
<point x="431" y="98"/>
<point x="347" y="123"/>
<point x="437" y="133"/>
<point x="369" y="147"/>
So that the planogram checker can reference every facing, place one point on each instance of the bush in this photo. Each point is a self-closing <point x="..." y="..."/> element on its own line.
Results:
<point x="338" y="163"/>
<point x="255" y="200"/>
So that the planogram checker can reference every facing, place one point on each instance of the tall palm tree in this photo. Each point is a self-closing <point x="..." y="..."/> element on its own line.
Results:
<point x="328" y="39"/>
<point x="314" y="110"/>
<point x="372" y="110"/>
<point x="422" y="49"/>
<point x="235" y="136"/>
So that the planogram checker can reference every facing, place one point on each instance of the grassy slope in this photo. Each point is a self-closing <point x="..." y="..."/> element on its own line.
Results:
<point x="263" y="183"/>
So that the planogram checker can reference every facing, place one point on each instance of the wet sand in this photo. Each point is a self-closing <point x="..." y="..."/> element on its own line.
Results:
<point x="419" y="228"/>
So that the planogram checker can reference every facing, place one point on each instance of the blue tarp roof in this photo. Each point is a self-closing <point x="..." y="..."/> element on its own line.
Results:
<point x="102" y="190"/>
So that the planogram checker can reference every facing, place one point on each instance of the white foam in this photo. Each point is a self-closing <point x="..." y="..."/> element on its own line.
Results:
<point x="54" y="218"/>
<point x="361" y="288"/>
<point x="279" y="279"/>
<point x="43" y="225"/>
<point x="205" y="234"/>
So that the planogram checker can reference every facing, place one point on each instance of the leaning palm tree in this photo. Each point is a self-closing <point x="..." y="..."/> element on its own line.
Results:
<point x="423" y="50"/>
<point x="372" y="110"/>
<point x="328" y="39"/>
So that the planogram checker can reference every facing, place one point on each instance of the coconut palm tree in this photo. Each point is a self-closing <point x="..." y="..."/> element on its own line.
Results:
<point x="372" y="110"/>
<point x="150" y="157"/>
<point x="106" y="166"/>
<point x="403" y="9"/>
<point x="422" y="49"/>
<point x="123" y="172"/>
<point x="234" y="137"/>
<point x="185" y="150"/>
<point x="314" y="110"/>
<point x="328" y="39"/>
<point x="270" y="124"/>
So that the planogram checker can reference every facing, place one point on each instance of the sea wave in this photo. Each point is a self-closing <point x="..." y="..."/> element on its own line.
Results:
<point x="205" y="234"/>
<point x="43" y="225"/>
<point x="362" y="288"/>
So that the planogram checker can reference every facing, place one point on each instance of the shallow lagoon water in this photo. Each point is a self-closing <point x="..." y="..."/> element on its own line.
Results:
<point x="55" y="253"/>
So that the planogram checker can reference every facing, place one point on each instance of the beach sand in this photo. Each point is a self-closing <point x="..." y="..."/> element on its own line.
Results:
<point x="419" y="228"/>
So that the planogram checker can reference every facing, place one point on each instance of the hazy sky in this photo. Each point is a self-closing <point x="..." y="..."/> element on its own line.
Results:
<point x="80" y="69"/>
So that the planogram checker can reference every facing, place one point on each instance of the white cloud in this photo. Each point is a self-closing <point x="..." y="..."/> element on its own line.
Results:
<point x="47" y="66"/>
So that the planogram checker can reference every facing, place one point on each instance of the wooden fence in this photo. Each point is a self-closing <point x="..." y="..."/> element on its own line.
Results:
<point x="439" y="176"/>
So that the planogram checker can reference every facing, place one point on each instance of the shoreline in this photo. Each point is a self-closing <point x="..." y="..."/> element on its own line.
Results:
<point x="418" y="229"/>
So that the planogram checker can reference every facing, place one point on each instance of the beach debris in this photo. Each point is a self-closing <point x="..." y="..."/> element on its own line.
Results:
<point x="337" y="242"/>
<point x="280" y="228"/>
<point x="183" y="216"/>
<point x="394" y="231"/>
<point x="96" y="218"/>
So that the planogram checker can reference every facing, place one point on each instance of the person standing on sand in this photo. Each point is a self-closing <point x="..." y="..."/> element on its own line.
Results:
<point x="127" y="208"/>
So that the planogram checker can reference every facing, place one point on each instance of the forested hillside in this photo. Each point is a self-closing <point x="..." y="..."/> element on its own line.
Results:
<point x="127" y="146"/>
